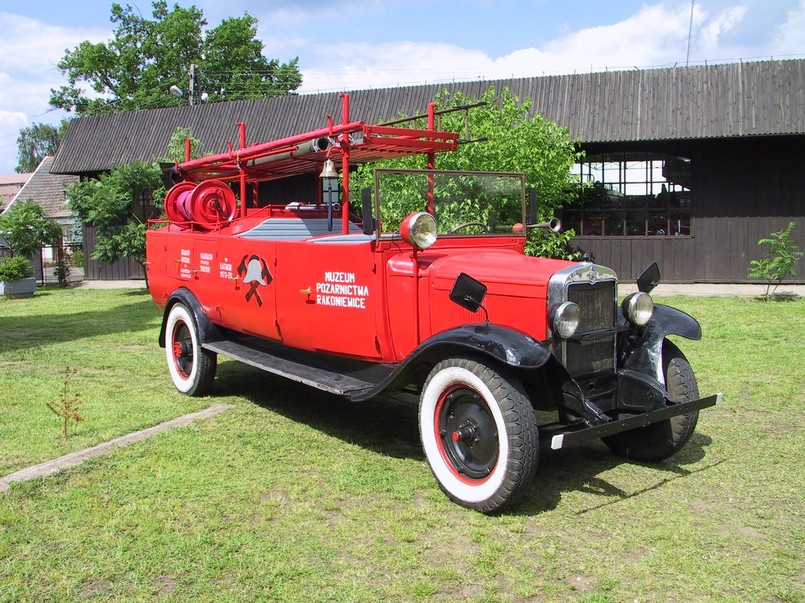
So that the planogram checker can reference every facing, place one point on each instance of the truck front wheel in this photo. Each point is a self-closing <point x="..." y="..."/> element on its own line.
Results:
<point x="191" y="367"/>
<point x="479" y="433"/>
<point x="658" y="441"/>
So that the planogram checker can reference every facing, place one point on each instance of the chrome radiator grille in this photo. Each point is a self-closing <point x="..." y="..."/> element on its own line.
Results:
<point x="594" y="288"/>
<point x="586" y="356"/>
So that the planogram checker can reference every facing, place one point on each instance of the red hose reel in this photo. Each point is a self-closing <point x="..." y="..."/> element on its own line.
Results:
<point x="206" y="205"/>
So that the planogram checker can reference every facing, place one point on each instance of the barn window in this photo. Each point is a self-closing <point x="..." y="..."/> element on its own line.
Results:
<point x="631" y="194"/>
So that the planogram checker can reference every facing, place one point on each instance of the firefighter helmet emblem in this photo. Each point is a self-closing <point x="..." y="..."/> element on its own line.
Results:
<point x="254" y="272"/>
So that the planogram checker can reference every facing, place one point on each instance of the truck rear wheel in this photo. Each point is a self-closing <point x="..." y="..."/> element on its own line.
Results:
<point x="191" y="367"/>
<point x="658" y="441"/>
<point x="479" y="434"/>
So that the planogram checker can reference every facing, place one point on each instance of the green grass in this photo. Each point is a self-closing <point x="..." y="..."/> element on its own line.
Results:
<point x="295" y="495"/>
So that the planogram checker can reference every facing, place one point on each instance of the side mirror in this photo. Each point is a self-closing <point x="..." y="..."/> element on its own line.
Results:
<point x="649" y="279"/>
<point x="468" y="292"/>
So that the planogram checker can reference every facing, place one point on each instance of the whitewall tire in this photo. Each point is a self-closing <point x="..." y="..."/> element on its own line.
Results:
<point x="191" y="367"/>
<point x="479" y="433"/>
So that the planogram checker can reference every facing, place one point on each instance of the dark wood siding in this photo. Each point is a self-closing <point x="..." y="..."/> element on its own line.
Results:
<point x="743" y="190"/>
<point x="117" y="271"/>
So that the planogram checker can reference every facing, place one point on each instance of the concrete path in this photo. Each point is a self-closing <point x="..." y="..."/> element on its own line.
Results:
<point x="79" y="456"/>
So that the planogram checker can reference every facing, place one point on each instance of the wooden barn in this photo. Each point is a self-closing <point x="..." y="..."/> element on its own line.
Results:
<point x="688" y="166"/>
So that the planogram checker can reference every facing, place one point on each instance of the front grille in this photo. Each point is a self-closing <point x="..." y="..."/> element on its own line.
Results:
<point x="586" y="356"/>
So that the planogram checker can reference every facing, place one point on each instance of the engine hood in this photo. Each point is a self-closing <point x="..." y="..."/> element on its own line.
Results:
<point x="503" y="271"/>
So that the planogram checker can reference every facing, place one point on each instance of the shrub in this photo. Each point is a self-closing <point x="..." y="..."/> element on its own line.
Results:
<point x="77" y="259"/>
<point x="779" y="260"/>
<point x="14" y="269"/>
<point x="26" y="229"/>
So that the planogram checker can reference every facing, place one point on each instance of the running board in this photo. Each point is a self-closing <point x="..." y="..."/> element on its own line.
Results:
<point x="319" y="378"/>
<point x="599" y="431"/>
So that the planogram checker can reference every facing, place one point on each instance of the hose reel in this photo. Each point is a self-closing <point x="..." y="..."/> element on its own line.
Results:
<point x="208" y="205"/>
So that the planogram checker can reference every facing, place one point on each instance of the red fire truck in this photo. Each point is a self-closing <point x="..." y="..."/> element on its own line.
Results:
<point x="420" y="283"/>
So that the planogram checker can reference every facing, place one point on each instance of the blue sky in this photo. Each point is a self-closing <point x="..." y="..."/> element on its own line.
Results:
<point x="349" y="44"/>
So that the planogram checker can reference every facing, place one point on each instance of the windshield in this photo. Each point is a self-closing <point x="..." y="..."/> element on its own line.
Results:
<point x="464" y="203"/>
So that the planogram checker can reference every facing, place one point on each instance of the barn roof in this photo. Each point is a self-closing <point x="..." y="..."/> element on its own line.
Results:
<point x="712" y="101"/>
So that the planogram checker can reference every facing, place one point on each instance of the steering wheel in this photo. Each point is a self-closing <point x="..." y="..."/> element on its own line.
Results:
<point x="466" y="224"/>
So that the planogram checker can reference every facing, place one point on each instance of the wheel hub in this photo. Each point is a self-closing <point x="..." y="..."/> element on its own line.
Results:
<point x="468" y="433"/>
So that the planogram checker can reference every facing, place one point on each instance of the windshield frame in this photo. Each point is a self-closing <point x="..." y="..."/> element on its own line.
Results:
<point x="431" y="175"/>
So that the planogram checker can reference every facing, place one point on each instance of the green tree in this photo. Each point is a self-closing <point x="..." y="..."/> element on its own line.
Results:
<point x="509" y="140"/>
<point x="27" y="229"/>
<point x="107" y="205"/>
<point x="177" y="145"/>
<point x="136" y="69"/>
<point x="37" y="142"/>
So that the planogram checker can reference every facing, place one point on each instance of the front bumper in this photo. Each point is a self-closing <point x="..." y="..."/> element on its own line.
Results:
<point x="582" y="432"/>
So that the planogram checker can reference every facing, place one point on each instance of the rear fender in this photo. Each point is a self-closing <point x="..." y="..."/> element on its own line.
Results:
<point x="207" y="331"/>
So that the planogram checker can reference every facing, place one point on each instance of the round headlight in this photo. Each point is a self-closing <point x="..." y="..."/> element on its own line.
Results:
<point x="565" y="319"/>
<point x="638" y="308"/>
<point x="419" y="229"/>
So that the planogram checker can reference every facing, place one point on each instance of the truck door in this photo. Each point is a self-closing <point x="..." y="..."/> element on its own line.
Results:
<point x="327" y="295"/>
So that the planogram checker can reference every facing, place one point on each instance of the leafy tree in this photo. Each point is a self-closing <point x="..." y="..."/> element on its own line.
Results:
<point x="778" y="261"/>
<point x="37" y="142"/>
<point x="176" y="145"/>
<point x="510" y="141"/>
<point x="136" y="69"/>
<point x="107" y="205"/>
<point x="27" y="229"/>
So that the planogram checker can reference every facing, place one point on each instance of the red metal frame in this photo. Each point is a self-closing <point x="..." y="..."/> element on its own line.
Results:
<point x="374" y="142"/>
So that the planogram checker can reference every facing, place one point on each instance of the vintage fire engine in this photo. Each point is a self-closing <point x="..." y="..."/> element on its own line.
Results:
<point x="419" y="283"/>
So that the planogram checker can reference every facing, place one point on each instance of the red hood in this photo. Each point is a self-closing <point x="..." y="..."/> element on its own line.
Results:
<point x="503" y="271"/>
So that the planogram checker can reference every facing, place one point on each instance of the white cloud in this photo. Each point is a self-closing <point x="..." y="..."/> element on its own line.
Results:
<point x="13" y="118"/>
<point x="655" y="36"/>
<point x="790" y="35"/>
<point x="29" y="53"/>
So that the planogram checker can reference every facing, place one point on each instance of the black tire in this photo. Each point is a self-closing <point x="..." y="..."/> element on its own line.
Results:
<point x="479" y="434"/>
<point x="658" y="441"/>
<point x="191" y="367"/>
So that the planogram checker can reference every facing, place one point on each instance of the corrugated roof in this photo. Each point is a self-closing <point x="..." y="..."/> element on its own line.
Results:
<point x="47" y="190"/>
<point x="714" y="101"/>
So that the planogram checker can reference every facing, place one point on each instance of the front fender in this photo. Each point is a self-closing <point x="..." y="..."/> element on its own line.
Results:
<point x="645" y="355"/>
<point x="507" y="346"/>
<point x="207" y="331"/>
<point x="676" y="322"/>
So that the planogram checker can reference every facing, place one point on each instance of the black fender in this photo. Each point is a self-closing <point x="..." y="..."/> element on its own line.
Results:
<point x="645" y="355"/>
<point x="505" y="345"/>
<point x="207" y="331"/>
<point x="509" y="346"/>
<point x="676" y="322"/>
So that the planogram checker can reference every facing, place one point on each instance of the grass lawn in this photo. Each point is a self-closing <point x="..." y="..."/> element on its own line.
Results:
<point x="294" y="495"/>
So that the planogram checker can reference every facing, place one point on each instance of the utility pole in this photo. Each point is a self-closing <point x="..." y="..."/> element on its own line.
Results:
<point x="193" y="95"/>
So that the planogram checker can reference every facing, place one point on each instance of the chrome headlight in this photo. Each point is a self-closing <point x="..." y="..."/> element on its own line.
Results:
<point x="419" y="229"/>
<point x="565" y="318"/>
<point x="637" y="308"/>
